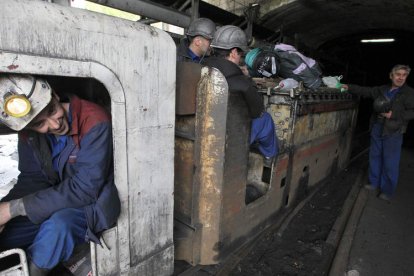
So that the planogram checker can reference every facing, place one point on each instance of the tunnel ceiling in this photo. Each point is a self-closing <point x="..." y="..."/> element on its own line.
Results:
<point x="319" y="23"/>
<point x="334" y="28"/>
<point x="316" y="22"/>
<point x="327" y="30"/>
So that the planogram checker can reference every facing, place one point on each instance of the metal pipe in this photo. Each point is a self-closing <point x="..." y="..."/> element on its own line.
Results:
<point x="62" y="2"/>
<point x="147" y="21"/>
<point x="194" y="9"/>
<point x="184" y="6"/>
<point x="150" y="10"/>
<point x="195" y="4"/>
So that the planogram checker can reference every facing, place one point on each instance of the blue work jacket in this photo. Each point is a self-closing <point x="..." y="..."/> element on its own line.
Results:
<point x="402" y="106"/>
<point x="85" y="177"/>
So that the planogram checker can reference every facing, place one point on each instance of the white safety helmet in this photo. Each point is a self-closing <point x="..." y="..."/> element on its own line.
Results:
<point x="22" y="98"/>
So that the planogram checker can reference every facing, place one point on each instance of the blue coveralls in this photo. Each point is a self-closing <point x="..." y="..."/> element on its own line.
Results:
<point x="49" y="243"/>
<point x="62" y="231"/>
<point x="68" y="192"/>
<point x="384" y="156"/>
<point x="263" y="132"/>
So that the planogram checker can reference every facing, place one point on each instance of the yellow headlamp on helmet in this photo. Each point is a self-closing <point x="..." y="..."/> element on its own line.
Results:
<point x="22" y="98"/>
<point x="17" y="105"/>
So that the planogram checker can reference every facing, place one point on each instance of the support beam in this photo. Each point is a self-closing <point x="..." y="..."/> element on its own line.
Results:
<point x="150" y="10"/>
<point x="195" y="4"/>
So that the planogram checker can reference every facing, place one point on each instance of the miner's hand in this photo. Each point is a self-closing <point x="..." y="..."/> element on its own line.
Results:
<point x="387" y="115"/>
<point x="4" y="213"/>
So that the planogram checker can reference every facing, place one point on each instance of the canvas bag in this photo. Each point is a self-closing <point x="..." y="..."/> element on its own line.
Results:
<point x="295" y="65"/>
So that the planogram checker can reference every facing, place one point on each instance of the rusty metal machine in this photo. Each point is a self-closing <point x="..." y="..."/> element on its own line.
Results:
<point x="214" y="165"/>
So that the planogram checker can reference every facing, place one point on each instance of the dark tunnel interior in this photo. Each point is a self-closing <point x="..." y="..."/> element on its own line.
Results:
<point x="368" y="64"/>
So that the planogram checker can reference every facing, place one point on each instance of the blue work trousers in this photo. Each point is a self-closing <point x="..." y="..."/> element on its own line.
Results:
<point x="263" y="133"/>
<point x="384" y="160"/>
<point x="49" y="243"/>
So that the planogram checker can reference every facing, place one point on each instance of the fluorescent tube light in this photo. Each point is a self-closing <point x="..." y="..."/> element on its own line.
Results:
<point x="377" y="40"/>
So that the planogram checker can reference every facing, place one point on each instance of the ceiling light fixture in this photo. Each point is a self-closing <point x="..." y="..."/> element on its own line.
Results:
<point x="377" y="40"/>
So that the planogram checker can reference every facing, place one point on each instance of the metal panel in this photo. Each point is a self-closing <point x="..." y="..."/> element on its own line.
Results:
<point x="188" y="76"/>
<point x="314" y="143"/>
<point x="54" y="40"/>
<point x="106" y="256"/>
<point x="212" y="97"/>
<point x="319" y="139"/>
<point x="199" y="171"/>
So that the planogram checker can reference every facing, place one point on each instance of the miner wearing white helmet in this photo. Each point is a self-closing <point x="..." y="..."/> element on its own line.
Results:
<point x="229" y="45"/>
<point x="16" y="110"/>
<point x="196" y="45"/>
<point x="66" y="181"/>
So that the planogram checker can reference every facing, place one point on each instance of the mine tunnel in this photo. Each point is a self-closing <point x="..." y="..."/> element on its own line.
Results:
<point x="331" y="32"/>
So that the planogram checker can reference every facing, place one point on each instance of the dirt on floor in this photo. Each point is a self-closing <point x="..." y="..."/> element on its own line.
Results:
<point x="301" y="249"/>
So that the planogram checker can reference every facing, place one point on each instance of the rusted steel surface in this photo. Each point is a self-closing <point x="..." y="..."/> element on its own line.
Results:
<point x="201" y="180"/>
<point x="317" y="125"/>
<point x="211" y="119"/>
<point x="311" y="163"/>
<point x="312" y="146"/>
<point x="312" y="108"/>
<point x="183" y="182"/>
<point x="188" y="76"/>
<point x="318" y="135"/>
<point x="185" y="126"/>
<point x="283" y="119"/>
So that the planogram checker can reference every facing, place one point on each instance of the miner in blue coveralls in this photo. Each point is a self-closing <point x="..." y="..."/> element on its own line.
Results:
<point x="229" y="43"/>
<point x="393" y="108"/>
<point x="65" y="194"/>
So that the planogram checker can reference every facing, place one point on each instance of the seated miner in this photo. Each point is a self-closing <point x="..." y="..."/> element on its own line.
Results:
<point x="229" y="43"/>
<point x="196" y="45"/>
<point x="65" y="194"/>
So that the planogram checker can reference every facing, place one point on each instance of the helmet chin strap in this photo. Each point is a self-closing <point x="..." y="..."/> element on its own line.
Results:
<point x="202" y="57"/>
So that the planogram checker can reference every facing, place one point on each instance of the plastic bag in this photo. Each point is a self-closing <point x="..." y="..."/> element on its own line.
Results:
<point x="332" y="81"/>
<point x="286" y="85"/>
